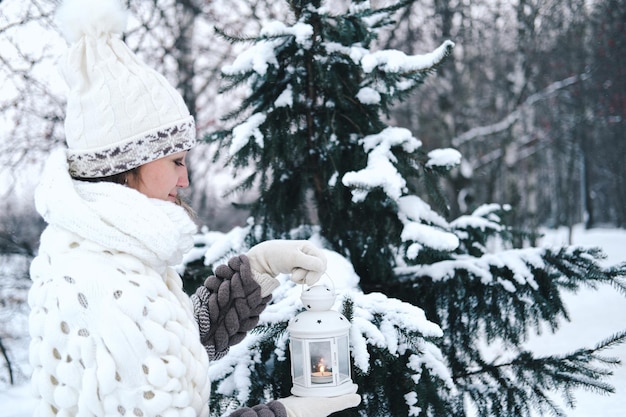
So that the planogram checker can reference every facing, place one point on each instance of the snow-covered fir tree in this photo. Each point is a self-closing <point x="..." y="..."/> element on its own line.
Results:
<point x="440" y="308"/>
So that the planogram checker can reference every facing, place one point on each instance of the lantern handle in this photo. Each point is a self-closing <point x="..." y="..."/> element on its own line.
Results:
<point x="329" y="278"/>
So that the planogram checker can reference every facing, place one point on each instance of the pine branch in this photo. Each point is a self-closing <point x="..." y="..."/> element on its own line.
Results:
<point x="530" y="380"/>
<point x="577" y="265"/>
<point x="435" y="191"/>
<point x="235" y="38"/>
<point x="618" y="273"/>
<point x="271" y="330"/>
<point x="615" y="340"/>
<point x="388" y="10"/>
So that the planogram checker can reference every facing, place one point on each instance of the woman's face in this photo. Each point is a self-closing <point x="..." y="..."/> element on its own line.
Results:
<point x="161" y="178"/>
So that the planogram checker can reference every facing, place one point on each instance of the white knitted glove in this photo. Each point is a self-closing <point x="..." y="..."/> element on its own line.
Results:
<point x="304" y="261"/>
<point x="318" y="407"/>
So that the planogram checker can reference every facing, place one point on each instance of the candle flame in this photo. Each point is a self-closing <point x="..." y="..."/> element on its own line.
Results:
<point x="321" y="366"/>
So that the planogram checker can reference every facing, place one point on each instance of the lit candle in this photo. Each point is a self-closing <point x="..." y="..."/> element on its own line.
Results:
<point x="322" y="376"/>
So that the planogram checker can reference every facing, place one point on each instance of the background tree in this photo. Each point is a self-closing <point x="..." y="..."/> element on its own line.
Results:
<point x="507" y="53"/>
<point x="521" y="107"/>
<point x="312" y="124"/>
<point x="607" y="88"/>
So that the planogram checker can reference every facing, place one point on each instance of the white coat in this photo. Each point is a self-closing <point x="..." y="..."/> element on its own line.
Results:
<point x="112" y="332"/>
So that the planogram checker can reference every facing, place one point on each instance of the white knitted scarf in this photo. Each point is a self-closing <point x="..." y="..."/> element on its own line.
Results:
<point x="117" y="217"/>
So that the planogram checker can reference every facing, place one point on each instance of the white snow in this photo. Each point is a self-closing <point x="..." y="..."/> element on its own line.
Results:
<point x="368" y="95"/>
<point x="430" y="236"/>
<point x="380" y="170"/>
<point x="411" y="207"/>
<point x="285" y="99"/>
<point x="444" y="157"/>
<point x="261" y="55"/>
<point x="398" y="61"/>
<point x="246" y="130"/>
<point x="301" y="31"/>
<point x="256" y="59"/>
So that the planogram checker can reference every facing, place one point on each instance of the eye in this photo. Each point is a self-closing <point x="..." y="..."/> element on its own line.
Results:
<point x="179" y="162"/>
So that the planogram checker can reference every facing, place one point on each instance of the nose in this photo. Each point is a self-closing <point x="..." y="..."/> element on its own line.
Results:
<point x="183" y="179"/>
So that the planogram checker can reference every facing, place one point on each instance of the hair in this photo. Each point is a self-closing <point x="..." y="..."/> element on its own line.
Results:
<point x="187" y="208"/>
<point x="122" y="179"/>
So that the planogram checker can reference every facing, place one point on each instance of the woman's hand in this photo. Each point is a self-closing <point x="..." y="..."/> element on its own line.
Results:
<point x="318" y="407"/>
<point x="304" y="261"/>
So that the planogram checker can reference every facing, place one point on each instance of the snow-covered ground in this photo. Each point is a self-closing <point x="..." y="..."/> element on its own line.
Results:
<point x="595" y="315"/>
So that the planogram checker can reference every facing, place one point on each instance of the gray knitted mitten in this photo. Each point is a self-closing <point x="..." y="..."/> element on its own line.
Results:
<point x="271" y="409"/>
<point x="228" y="305"/>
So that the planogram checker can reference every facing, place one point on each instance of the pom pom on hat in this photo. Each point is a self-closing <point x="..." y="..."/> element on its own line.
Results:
<point x="77" y="18"/>
<point x="120" y="113"/>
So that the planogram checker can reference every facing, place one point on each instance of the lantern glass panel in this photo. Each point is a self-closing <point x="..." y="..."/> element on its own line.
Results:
<point x="321" y="362"/>
<point x="344" y="358"/>
<point x="297" y="360"/>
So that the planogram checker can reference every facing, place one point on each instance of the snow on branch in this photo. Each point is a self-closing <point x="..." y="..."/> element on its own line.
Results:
<point x="520" y="262"/>
<point x="399" y="62"/>
<point x="380" y="170"/>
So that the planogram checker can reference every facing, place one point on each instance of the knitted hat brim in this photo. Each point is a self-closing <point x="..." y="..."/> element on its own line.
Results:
<point x="133" y="152"/>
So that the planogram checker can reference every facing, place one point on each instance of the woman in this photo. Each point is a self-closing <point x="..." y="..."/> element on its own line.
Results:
<point x="112" y="331"/>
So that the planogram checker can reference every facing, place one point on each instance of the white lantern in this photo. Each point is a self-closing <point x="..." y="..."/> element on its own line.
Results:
<point x="319" y="346"/>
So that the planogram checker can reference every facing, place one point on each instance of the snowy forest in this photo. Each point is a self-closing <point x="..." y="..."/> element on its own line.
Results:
<point x="423" y="144"/>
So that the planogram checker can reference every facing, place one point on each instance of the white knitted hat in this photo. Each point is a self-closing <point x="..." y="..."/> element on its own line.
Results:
<point x="120" y="113"/>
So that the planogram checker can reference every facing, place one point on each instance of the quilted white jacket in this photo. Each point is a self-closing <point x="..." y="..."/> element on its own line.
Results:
<point x="113" y="333"/>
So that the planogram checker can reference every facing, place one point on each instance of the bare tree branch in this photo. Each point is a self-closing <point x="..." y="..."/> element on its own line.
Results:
<point x="511" y="118"/>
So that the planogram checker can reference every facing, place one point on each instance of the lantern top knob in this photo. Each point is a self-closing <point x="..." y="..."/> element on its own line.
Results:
<point x="318" y="298"/>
